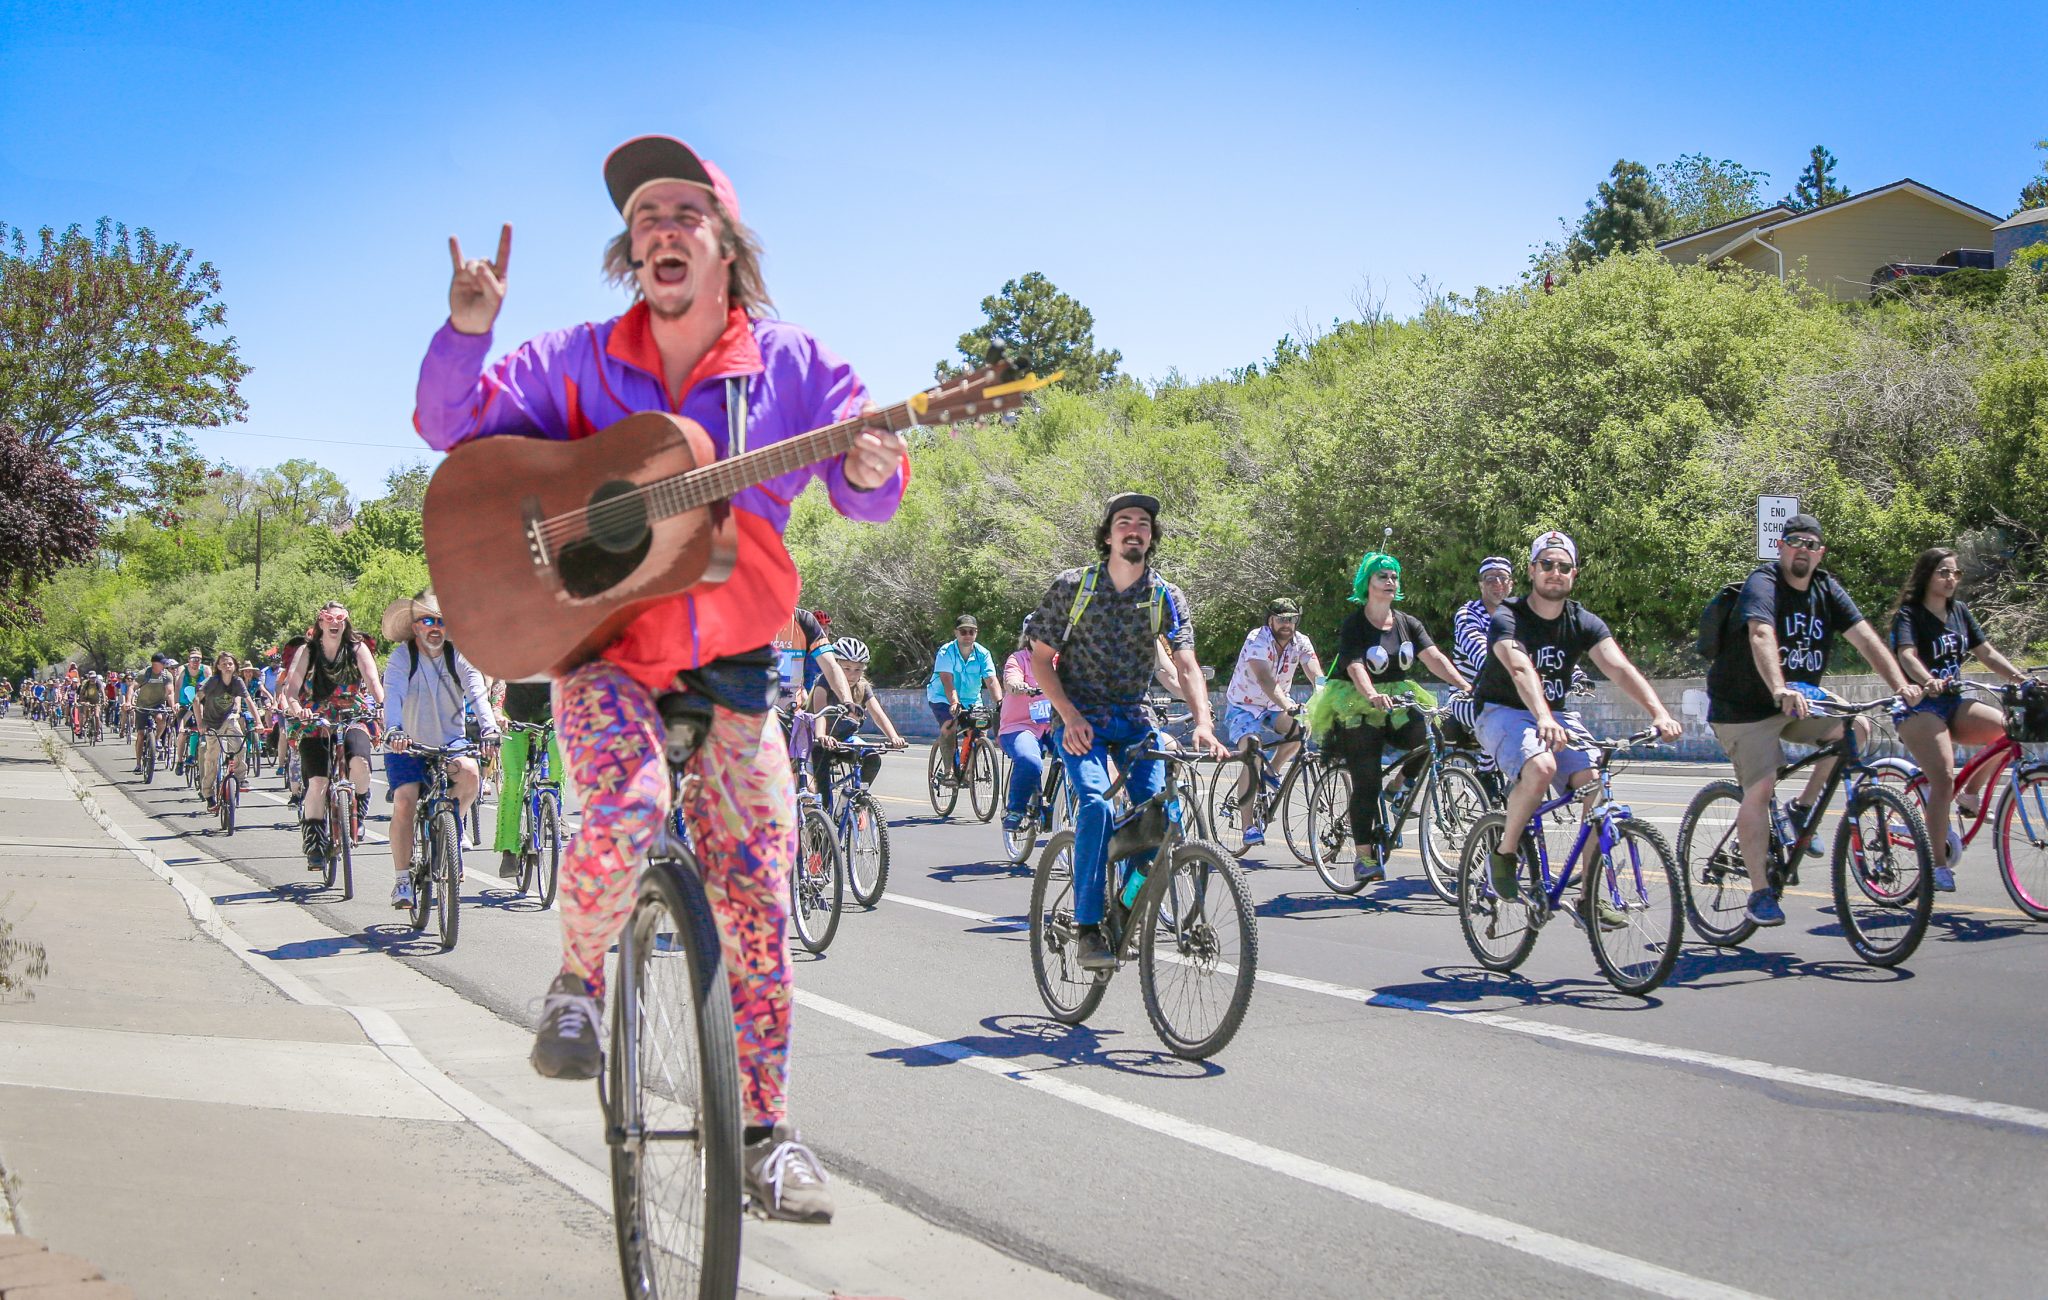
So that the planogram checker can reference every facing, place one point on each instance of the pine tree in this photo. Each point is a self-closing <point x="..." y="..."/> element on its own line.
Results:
<point x="1816" y="186"/>
<point x="1629" y="213"/>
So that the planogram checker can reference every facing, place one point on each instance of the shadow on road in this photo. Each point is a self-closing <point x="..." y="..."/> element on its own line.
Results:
<point x="1446" y="988"/>
<point x="1021" y="1037"/>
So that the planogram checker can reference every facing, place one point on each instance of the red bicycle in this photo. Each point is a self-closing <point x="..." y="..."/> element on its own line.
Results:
<point x="2019" y="815"/>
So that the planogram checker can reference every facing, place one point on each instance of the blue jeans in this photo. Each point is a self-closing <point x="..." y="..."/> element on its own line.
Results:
<point x="1116" y="734"/>
<point x="1027" y="768"/>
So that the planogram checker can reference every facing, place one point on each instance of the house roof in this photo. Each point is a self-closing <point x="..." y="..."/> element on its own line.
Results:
<point x="2031" y="217"/>
<point x="1703" y="232"/>
<point x="1927" y="192"/>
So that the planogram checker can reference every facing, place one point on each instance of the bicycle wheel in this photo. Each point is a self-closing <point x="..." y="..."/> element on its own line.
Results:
<point x="423" y="878"/>
<point x="230" y="790"/>
<point x="866" y="848"/>
<point x="1453" y="803"/>
<point x="817" y="883"/>
<point x="1499" y="931"/>
<point x="1198" y="954"/>
<point x="672" y="1100"/>
<point x="148" y="760"/>
<point x="1224" y="811"/>
<point x="2022" y="845"/>
<point x="1329" y="829"/>
<point x="1710" y="866"/>
<point x="344" y="801"/>
<point x="1187" y="787"/>
<point x="547" y="870"/>
<point x="1639" y="888"/>
<point x="1883" y="876"/>
<point x="983" y="790"/>
<point x="1070" y="993"/>
<point x="447" y="860"/>
<point x="1017" y="844"/>
<point x="1296" y="795"/>
<point x="944" y="794"/>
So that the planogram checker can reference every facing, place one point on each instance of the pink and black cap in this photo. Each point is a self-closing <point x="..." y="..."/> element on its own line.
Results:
<point x="641" y="162"/>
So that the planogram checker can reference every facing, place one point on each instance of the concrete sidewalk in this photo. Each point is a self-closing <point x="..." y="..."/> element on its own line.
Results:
<point x="213" y="1094"/>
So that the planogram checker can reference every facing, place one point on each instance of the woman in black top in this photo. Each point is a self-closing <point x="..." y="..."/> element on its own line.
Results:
<point x="1932" y="633"/>
<point x="1367" y="704"/>
<point x="217" y="710"/>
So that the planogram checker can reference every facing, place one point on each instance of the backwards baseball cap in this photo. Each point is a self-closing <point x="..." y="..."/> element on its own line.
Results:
<point x="647" y="159"/>
<point x="1553" y="541"/>
<point x="1495" y="564"/>
<point x="1127" y="500"/>
<point x="1801" y="523"/>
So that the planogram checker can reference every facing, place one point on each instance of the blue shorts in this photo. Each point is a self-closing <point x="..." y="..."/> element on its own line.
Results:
<point x="941" y="711"/>
<point x="1942" y="706"/>
<point x="1239" y="722"/>
<point x="1508" y="735"/>
<point x="403" y="770"/>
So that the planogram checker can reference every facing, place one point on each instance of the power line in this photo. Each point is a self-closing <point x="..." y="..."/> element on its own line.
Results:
<point x="331" y="442"/>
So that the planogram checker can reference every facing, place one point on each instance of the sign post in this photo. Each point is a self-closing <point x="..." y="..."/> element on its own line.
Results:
<point x="1771" y="514"/>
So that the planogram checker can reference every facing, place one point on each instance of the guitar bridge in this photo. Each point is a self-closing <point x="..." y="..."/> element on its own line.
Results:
<point x="536" y="542"/>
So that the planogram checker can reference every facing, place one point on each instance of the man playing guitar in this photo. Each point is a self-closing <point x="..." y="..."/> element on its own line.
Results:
<point x="697" y="342"/>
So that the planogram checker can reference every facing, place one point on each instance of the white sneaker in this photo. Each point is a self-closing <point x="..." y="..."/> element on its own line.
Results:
<point x="784" y="1180"/>
<point x="401" y="893"/>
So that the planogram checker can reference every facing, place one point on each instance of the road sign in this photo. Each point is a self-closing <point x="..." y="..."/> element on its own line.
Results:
<point x="1771" y="514"/>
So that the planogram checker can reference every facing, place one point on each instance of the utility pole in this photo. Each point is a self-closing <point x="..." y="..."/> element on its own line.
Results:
<point x="259" y="548"/>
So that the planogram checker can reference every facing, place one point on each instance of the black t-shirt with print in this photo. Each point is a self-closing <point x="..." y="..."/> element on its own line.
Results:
<point x="1941" y="643"/>
<point x="1806" y="622"/>
<point x="1554" y="645"/>
<point x="1389" y="654"/>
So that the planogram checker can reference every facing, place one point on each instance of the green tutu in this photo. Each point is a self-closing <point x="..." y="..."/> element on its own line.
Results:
<point x="1337" y="703"/>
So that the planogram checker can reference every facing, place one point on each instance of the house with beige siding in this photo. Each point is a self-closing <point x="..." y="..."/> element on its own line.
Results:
<point x="1839" y="246"/>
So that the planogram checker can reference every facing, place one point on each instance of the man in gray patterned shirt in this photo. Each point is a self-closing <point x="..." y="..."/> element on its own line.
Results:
<point x="1101" y="621"/>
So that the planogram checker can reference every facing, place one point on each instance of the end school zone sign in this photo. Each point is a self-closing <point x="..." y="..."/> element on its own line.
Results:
<point x="1771" y="514"/>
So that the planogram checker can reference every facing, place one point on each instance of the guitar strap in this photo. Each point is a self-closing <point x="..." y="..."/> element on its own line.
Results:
<point x="735" y="416"/>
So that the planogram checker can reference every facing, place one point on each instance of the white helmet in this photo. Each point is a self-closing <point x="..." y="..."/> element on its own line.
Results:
<point x="852" y="649"/>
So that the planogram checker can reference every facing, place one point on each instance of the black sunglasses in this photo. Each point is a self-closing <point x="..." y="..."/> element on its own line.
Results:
<point x="1556" y="566"/>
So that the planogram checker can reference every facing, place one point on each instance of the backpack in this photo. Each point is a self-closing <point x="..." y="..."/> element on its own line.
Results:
<point x="1718" y="618"/>
<point x="1086" y="593"/>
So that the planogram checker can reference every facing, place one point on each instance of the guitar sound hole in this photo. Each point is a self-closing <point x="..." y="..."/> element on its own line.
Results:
<point x="618" y="517"/>
<point x="588" y="569"/>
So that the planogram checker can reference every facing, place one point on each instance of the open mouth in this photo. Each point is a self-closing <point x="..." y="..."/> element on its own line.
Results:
<point x="670" y="268"/>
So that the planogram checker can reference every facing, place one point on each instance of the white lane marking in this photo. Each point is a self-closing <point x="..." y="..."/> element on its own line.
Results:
<point x="1841" y="1084"/>
<point x="1594" y="1260"/>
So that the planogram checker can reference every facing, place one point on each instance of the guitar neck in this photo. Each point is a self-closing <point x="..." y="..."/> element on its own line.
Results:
<point x="726" y="478"/>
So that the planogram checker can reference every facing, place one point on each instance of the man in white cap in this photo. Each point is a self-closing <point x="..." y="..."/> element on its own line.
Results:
<point x="426" y="682"/>
<point x="1534" y="643"/>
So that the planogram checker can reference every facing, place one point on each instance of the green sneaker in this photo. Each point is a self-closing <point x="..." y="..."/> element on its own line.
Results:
<point x="1506" y="872"/>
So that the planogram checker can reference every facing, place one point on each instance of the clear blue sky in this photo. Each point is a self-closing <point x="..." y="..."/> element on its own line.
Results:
<point x="1201" y="176"/>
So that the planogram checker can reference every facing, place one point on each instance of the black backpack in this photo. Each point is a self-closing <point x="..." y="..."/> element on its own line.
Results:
<point x="1718" y="618"/>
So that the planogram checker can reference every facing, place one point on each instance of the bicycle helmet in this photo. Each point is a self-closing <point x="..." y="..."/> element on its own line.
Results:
<point x="852" y="649"/>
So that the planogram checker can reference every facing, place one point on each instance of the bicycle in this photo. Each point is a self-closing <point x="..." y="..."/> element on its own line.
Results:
<point x="1050" y="804"/>
<point x="1882" y="868"/>
<point x="2020" y="813"/>
<point x="151" y="722"/>
<point x="670" y="1090"/>
<point x="817" y="884"/>
<point x="1449" y="795"/>
<point x="863" y="832"/>
<point x="540" y="814"/>
<point x="974" y="765"/>
<point x="344" y="805"/>
<point x="1281" y="796"/>
<point x="1630" y="906"/>
<point x="436" y="865"/>
<point x="227" y="783"/>
<point x="1182" y="924"/>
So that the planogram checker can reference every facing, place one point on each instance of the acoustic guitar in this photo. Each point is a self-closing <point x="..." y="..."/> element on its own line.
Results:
<point x="576" y="539"/>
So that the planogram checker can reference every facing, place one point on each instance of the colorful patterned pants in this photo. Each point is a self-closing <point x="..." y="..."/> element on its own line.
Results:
<point x="742" y="819"/>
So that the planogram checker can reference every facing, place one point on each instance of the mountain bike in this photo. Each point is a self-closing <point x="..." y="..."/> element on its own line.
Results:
<point x="817" y="884"/>
<point x="344" y="804"/>
<point x="1051" y="804"/>
<point x="2020" y="813"/>
<point x="975" y="765"/>
<point x="1449" y="793"/>
<point x="670" y="1089"/>
<point x="227" y="785"/>
<point x="1187" y="923"/>
<point x="95" y="725"/>
<point x="1276" y="796"/>
<point x="436" y="845"/>
<point x="540" y="814"/>
<point x="1630" y="905"/>
<point x="863" y="832"/>
<point x="151" y="722"/>
<point x="1883" y="865"/>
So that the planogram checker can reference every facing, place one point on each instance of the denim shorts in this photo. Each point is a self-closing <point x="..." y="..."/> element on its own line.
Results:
<point x="1508" y="735"/>
<point x="1942" y="706"/>
<point x="403" y="770"/>
<point x="1239" y="722"/>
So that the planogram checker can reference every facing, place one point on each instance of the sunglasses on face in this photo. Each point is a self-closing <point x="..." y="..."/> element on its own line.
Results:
<point x="1556" y="566"/>
<point x="1803" y="543"/>
<point x="427" y="620"/>
<point x="1948" y="573"/>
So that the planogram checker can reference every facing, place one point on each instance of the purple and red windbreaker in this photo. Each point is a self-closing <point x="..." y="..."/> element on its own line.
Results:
<point x="574" y="382"/>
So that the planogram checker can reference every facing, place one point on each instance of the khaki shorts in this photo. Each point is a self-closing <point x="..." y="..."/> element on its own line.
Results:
<point x="1756" y="748"/>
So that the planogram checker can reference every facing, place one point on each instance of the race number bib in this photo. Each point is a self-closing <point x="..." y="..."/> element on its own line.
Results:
<point x="1041" y="710"/>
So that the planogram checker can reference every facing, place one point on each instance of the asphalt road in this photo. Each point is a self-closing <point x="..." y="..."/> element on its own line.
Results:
<point x="1392" y="1119"/>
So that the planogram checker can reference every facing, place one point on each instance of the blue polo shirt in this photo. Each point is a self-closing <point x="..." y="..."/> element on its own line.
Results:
<point x="968" y="672"/>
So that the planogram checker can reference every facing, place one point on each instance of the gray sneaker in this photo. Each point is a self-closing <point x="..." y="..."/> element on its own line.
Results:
<point x="784" y="1180"/>
<point x="567" y="1046"/>
<point x="401" y="892"/>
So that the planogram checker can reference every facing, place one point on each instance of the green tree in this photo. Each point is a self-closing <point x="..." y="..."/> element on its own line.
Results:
<point x="1704" y="192"/>
<point x="109" y="353"/>
<point x="45" y="522"/>
<point x="377" y="528"/>
<point x="1629" y="213"/>
<point x="303" y="492"/>
<point x="1816" y="186"/>
<point x="2035" y="193"/>
<point x="405" y="488"/>
<point x="1044" y="330"/>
